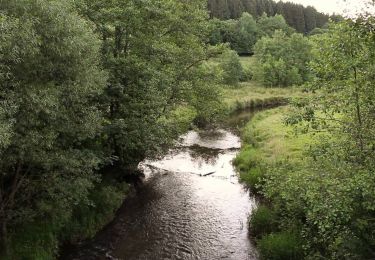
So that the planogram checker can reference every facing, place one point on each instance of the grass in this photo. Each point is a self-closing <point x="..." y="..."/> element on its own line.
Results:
<point x="247" y="61"/>
<point x="273" y="140"/>
<point x="281" y="246"/>
<point x="252" y="94"/>
<point x="268" y="140"/>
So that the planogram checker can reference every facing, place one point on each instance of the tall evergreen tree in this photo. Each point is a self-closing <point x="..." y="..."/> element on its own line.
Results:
<point x="303" y="19"/>
<point x="310" y="18"/>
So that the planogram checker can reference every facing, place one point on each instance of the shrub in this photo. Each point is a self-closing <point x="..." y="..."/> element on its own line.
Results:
<point x="40" y="239"/>
<point x="89" y="218"/>
<point x="263" y="221"/>
<point x="253" y="178"/>
<point x="232" y="68"/>
<point x="36" y="240"/>
<point x="280" y="246"/>
<point x="247" y="74"/>
<point x="247" y="159"/>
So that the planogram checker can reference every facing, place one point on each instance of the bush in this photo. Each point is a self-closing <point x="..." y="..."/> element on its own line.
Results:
<point x="253" y="178"/>
<point x="283" y="60"/>
<point x="280" y="246"/>
<point x="36" y="240"/>
<point x="88" y="219"/>
<point x="247" y="74"/>
<point x="232" y="68"/>
<point x="263" y="221"/>
<point x="40" y="239"/>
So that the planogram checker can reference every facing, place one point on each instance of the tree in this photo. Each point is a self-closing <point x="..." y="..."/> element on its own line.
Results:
<point x="267" y="25"/>
<point x="283" y="59"/>
<point x="50" y="78"/>
<point x="339" y="183"/>
<point x="152" y="69"/>
<point x="241" y="34"/>
<point x="347" y="50"/>
<point x="246" y="34"/>
<point x="299" y="19"/>
<point x="235" y="8"/>
<point x="310" y="18"/>
<point x="232" y="69"/>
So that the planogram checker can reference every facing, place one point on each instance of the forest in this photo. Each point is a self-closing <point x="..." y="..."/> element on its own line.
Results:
<point x="91" y="88"/>
<point x="301" y="18"/>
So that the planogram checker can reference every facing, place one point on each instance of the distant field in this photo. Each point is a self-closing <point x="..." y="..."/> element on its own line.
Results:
<point x="247" y="61"/>
<point x="252" y="93"/>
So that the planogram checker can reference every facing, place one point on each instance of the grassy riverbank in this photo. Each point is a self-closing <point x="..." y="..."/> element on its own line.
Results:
<point x="266" y="141"/>
<point x="252" y="94"/>
<point x="303" y="192"/>
<point x="269" y="143"/>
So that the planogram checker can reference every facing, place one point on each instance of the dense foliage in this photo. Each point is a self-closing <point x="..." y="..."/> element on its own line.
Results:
<point x="86" y="87"/>
<point x="232" y="68"/>
<point x="89" y="88"/>
<point x="283" y="59"/>
<point x="50" y="76"/>
<point x="303" y="19"/>
<point x="152" y="69"/>
<point x="318" y="180"/>
<point x="242" y="34"/>
<point x="340" y="220"/>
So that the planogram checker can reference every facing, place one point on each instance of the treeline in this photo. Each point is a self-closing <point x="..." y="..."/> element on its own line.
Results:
<point x="88" y="89"/>
<point x="303" y="19"/>
<point x="243" y="33"/>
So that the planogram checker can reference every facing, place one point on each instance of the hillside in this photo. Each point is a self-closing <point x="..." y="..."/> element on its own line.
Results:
<point x="303" y="19"/>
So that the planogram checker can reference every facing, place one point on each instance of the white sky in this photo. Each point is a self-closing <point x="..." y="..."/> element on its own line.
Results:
<point x="343" y="7"/>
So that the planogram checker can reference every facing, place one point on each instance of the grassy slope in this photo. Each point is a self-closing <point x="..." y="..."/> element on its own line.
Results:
<point x="274" y="140"/>
<point x="267" y="140"/>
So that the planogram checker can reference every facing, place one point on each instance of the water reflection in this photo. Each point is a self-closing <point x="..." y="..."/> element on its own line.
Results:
<point x="191" y="206"/>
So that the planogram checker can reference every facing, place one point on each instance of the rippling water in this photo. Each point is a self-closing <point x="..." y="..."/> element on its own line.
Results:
<point x="190" y="207"/>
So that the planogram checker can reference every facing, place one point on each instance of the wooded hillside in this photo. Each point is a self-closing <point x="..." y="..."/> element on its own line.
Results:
<point x="303" y="19"/>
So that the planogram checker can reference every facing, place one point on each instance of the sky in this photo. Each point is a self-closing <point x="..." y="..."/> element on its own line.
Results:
<point x="343" y="7"/>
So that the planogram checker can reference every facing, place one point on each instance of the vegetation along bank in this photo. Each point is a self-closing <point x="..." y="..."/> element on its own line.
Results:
<point x="90" y="88"/>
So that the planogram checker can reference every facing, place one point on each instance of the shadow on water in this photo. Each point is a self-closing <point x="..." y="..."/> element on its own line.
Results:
<point x="190" y="205"/>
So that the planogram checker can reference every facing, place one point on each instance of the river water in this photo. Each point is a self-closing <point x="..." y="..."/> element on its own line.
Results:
<point x="191" y="205"/>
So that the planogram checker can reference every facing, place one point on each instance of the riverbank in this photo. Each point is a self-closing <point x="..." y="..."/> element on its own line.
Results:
<point x="251" y="95"/>
<point x="82" y="223"/>
<point x="303" y="191"/>
<point x="268" y="144"/>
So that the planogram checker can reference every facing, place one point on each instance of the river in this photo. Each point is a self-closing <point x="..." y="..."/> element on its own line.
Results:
<point x="191" y="205"/>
